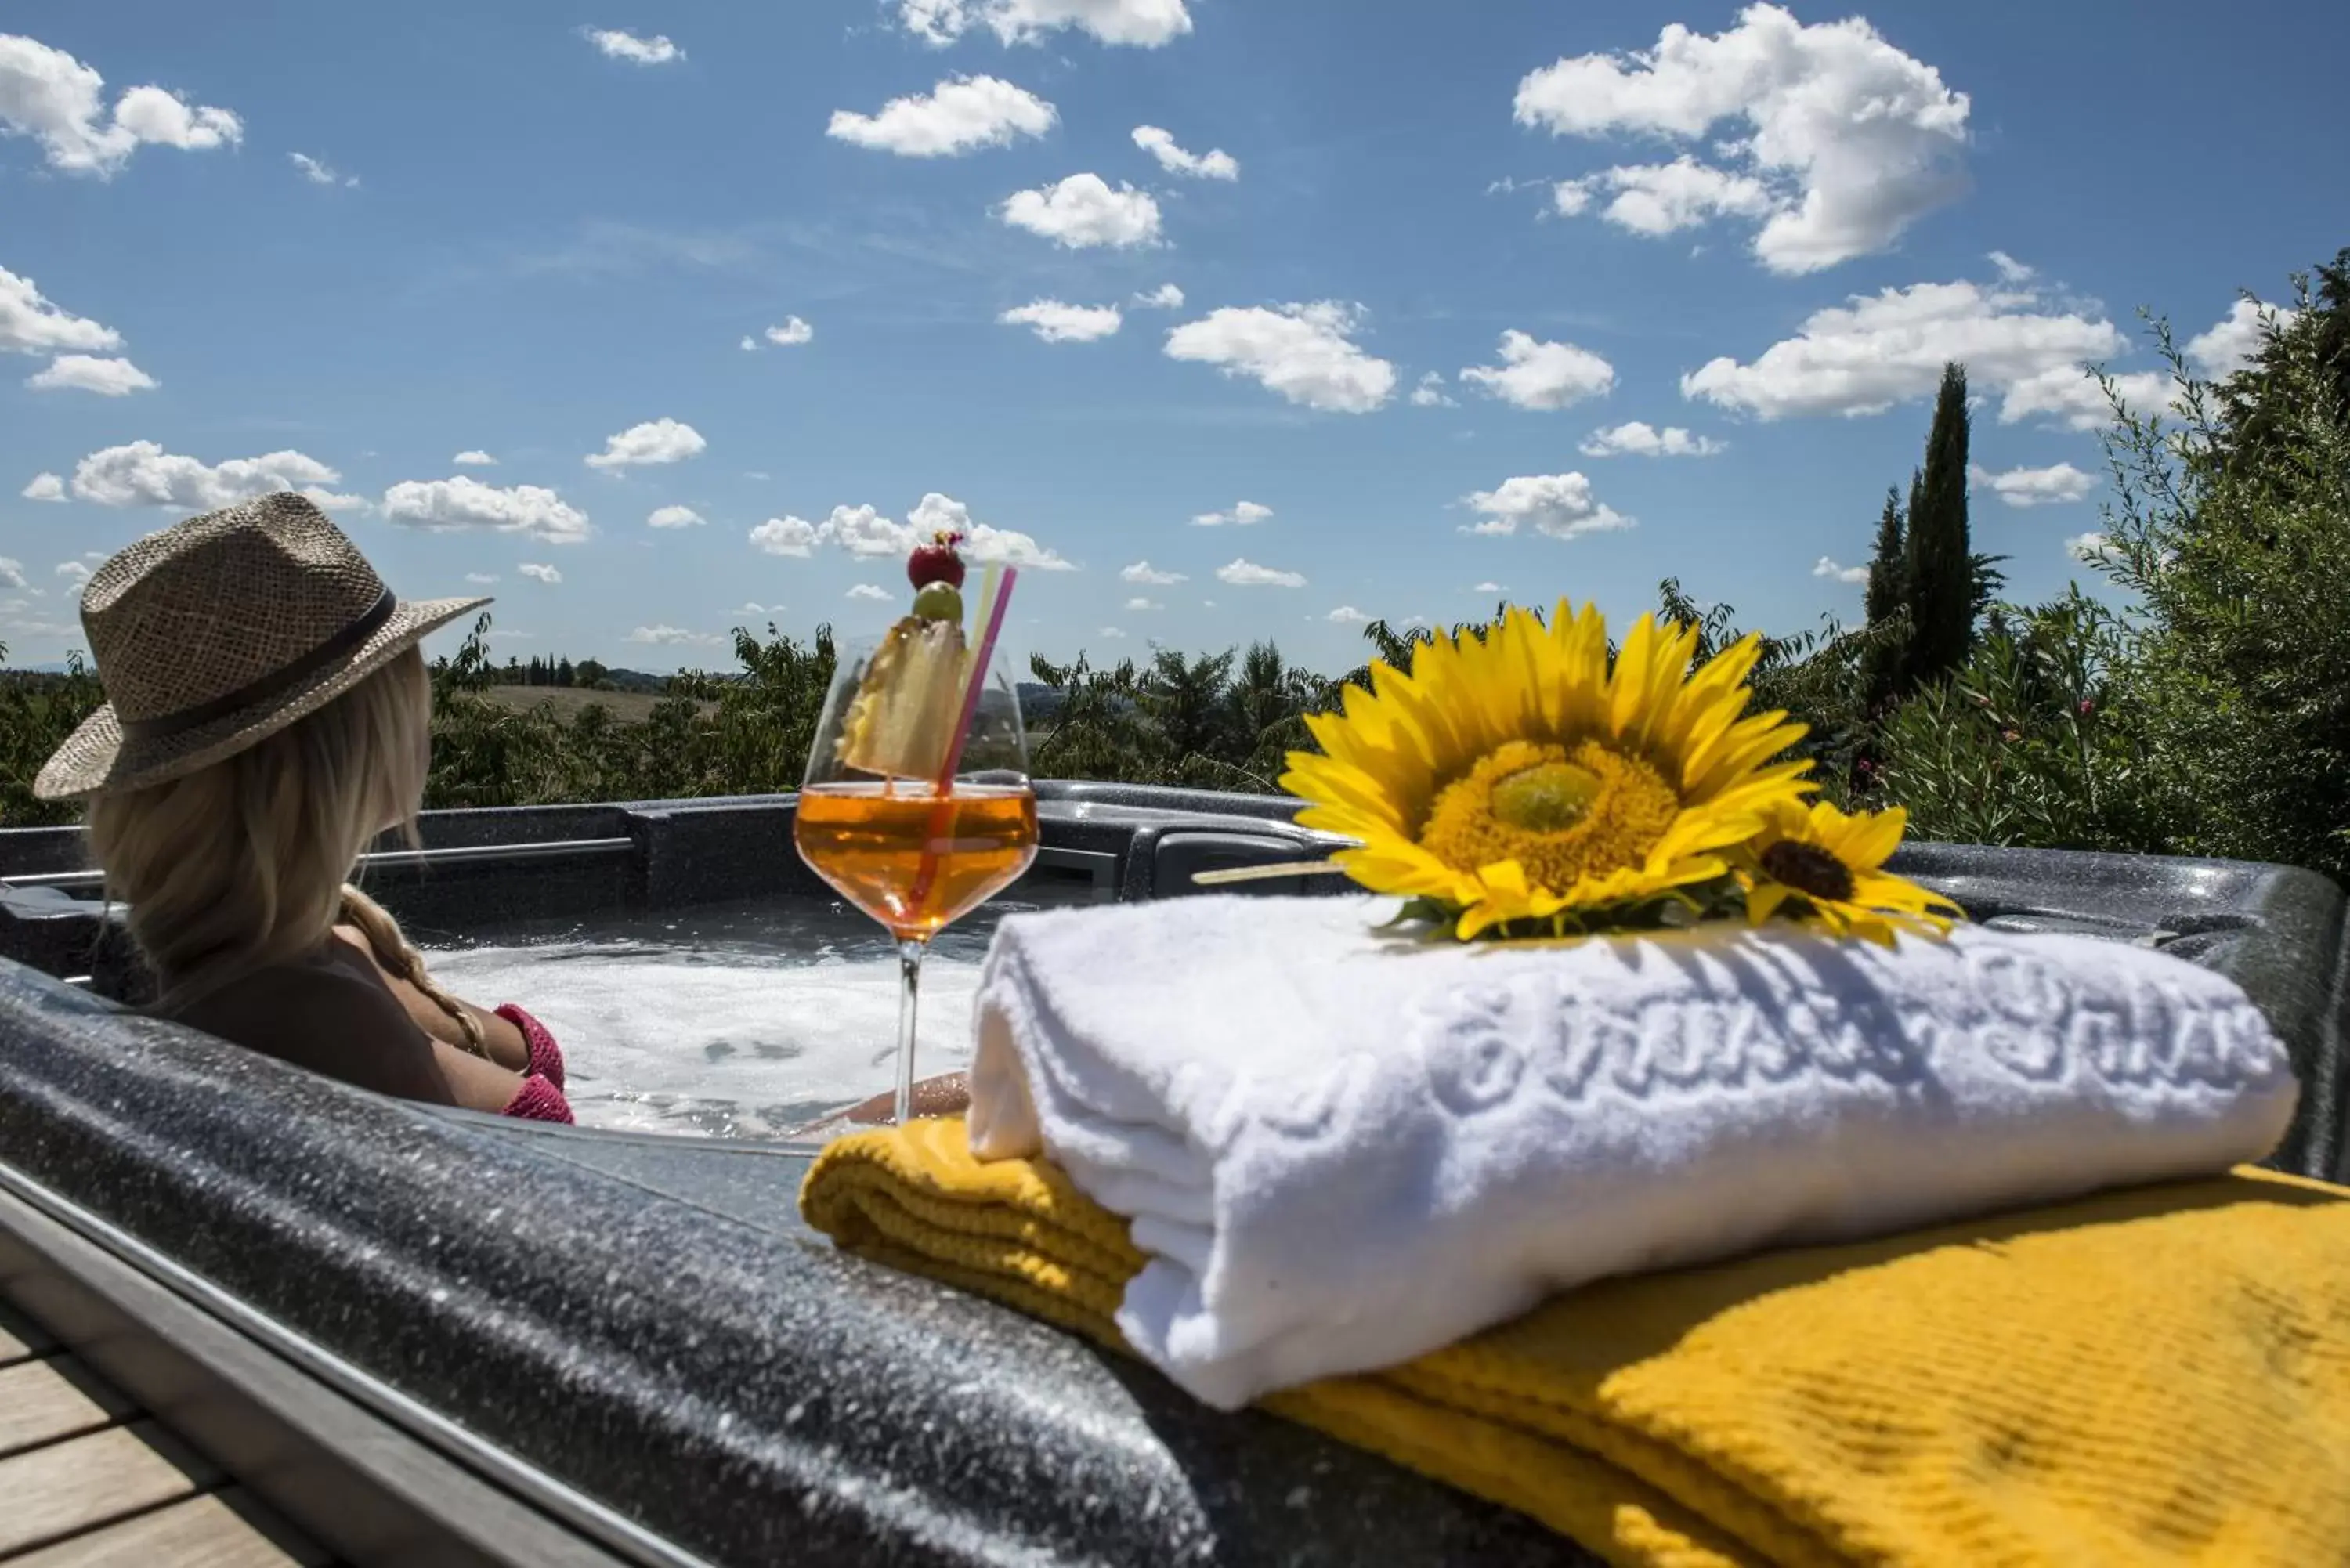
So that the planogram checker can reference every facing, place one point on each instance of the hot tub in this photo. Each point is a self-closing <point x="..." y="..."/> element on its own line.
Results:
<point x="443" y="1337"/>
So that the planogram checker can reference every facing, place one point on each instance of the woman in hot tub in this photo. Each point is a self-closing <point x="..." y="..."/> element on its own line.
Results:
<point x="268" y="716"/>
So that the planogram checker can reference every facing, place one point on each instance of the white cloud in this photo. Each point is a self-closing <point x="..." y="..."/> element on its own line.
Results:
<point x="1880" y="349"/>
<point x="674" y="517"/>
<point x="656" y="441"/>
<point x="48" y="95"/>
<point x="1144" y="572"/>
<point x="475" y="459"/>
<point x="2085" y="546"/>
<point x="1143" y="604"/>
<point x="1216" y="165"/>
<point x="44" y="487"/>
<point x="83" y="373"/>
<point x="1110" y="631"/>
<point x="1659" y="199"/>
<point x="788" y="537"/>
<point x="987" y="546"/>
<point x="29" y="324"/>
<point x="1346" y="615"/>
<point x="1305" y="352"/>
<point x="1431" y="392"/>
<point x="867" y="591"/>
<point x="1243" y="516"/>
<point x="1082" y="210"/>
<point x="1241" y="573"/>
<point x="1839" y="140"/>
<point x="12" y="574"/>
<point x="2070" y="393"/>
<point x="617" y="44"/>
<point x="960" y="115"/>
<point x="791" y="334"/>
<point x="1639" y="440"/>
<point x="1058" y="322"/>
<point x="675" y="637"/>
<point x="74" y="572"/>
<point x="1487" y="588"/>
<point x="2054" y="485"/>
<point x="2010" y="269"/>
<point x="443" y="505"/>
<point x="481" y="579"/>
<point x="318" y="172"/>
<point x="755" y="607"/>
<point x="2231" y="343"/>
<point x="1571" y="197"/>
<point x="864" y="532"/>
<point x="1146" y="23"/>
<point x="1558" y="504"/>
<point x="1825" y="566"/>
<point x="1166" y="297"/>
<point x="142" y="473"/>
<point x="538" y="572"/>
<point x="867" y="533"/>
<point x="1538" y="374"/>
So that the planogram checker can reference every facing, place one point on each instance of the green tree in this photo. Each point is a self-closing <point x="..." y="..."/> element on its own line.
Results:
<point x="2252" y="424"/>
<point x="1940" y="566"/>
<point x="2230" y="531"/>
<point x="1886" y="605"/>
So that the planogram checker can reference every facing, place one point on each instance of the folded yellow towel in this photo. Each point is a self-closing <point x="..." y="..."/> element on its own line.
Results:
<point x="2160" y="1375"/>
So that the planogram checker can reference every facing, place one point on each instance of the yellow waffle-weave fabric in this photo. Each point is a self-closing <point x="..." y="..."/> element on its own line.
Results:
<point x="2156" y="1376"/>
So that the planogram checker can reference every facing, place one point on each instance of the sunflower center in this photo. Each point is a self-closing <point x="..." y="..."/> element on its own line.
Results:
<point x="1808" y="868"/>
<point x="1563" y="814"/>
<point x="1549" y="797"/>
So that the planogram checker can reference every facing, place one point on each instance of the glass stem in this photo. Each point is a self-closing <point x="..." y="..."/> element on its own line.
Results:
<point x="909" y="977"/>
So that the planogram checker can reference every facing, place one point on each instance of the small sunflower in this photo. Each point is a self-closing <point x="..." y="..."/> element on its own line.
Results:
<point x="1515" y="779"/>
<point x="1816" y="862"/>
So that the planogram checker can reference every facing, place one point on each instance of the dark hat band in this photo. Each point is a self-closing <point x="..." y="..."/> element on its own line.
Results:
<point x="164" y="726"/>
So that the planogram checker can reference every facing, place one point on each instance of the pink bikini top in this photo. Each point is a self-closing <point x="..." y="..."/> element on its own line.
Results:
<point x="540" y="1098"/>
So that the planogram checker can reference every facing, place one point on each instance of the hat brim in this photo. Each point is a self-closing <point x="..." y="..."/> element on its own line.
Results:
<point x="98" y="759"/>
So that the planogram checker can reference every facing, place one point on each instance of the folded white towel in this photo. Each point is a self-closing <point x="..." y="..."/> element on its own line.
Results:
<point x="1343" y="1150"/>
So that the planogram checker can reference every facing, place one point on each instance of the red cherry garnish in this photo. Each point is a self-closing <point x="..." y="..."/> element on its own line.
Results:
<point x="936" y="562"/>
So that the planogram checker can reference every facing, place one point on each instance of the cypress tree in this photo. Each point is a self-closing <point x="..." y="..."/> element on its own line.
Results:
<point x="1886" y="599"/>
<point x="1941" y="564"/>
<point x="1888" y="565"/>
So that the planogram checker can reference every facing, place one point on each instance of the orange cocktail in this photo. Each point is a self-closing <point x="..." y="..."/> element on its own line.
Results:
<point x="914" y="861"/>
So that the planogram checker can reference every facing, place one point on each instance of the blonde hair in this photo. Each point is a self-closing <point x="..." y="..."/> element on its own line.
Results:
<point x="245" y="862"/>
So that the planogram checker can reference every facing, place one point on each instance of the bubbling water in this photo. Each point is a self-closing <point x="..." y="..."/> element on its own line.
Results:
<point x="742" y="1021"/>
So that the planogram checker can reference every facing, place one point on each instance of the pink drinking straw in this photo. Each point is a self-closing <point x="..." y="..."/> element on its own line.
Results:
<point x="978" y="675"/>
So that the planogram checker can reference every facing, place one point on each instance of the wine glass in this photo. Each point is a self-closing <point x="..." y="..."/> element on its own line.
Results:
<point x="908" y="826"/>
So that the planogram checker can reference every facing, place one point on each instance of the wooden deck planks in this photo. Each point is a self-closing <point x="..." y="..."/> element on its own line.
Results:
<point x="63" y="1489"/>
<point x="222" y="1529"/>
<point x="21" y="1339"/>
<point x="44" y="1400"/>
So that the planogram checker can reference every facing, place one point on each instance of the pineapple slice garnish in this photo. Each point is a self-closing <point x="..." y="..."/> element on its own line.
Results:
<point x="903" y="719"/>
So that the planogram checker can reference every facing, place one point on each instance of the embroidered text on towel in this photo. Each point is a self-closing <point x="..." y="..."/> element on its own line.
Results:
<point x="1479" y="1041"/>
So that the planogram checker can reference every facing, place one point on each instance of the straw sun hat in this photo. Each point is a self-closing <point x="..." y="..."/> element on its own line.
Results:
<point x="222" y="629"/>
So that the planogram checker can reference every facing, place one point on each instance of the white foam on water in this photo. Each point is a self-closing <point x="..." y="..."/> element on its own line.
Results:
<point x="654" y="1041"/>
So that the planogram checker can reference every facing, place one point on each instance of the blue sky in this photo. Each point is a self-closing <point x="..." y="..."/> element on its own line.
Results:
<point x="543" y="233"/>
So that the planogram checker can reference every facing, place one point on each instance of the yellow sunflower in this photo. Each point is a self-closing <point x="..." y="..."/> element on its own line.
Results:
<point x="1818" y="862"/>
<point x="1514" y="777"/>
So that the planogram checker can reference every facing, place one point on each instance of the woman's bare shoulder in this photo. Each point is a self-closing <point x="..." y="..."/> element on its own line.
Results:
<point x="330" y="1014"/>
